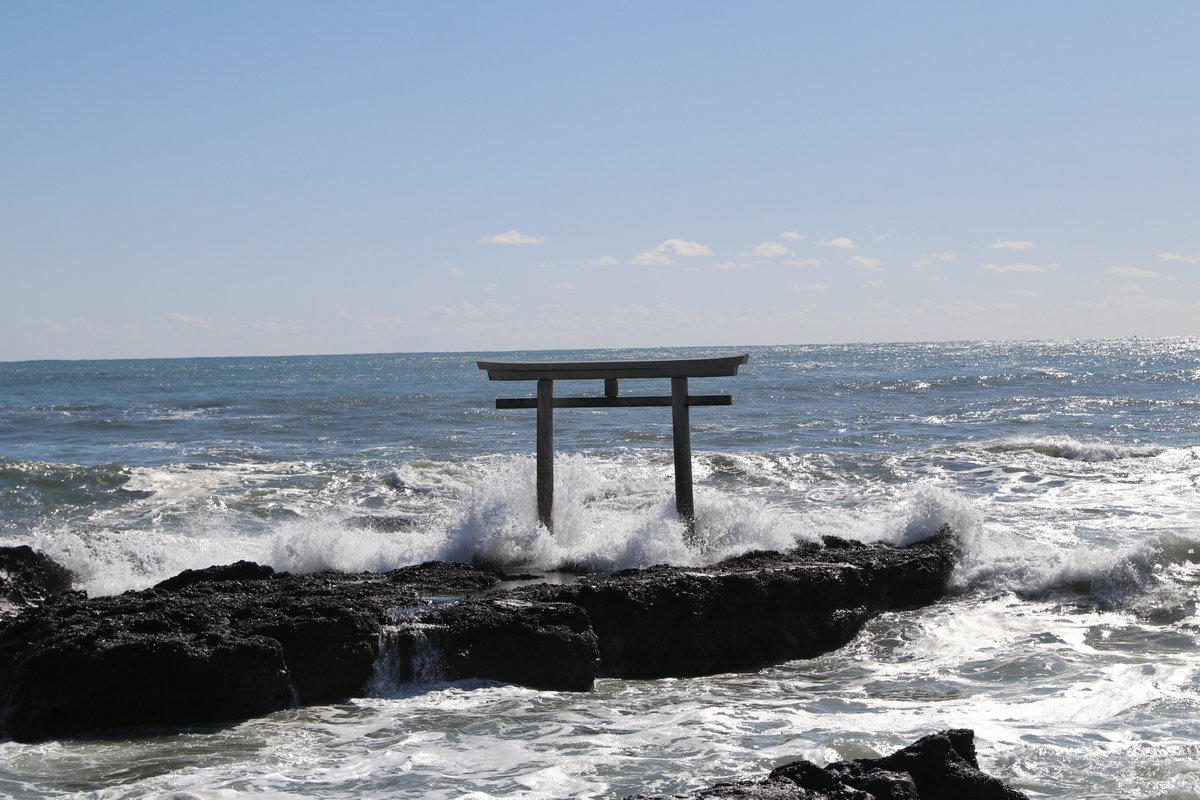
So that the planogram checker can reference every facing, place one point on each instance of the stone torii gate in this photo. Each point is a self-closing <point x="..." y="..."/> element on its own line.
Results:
<point x="678" y="370"/>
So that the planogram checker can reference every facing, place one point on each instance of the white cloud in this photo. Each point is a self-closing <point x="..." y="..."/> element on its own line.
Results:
<point x="512" y="237"/>
<point x="467" y="310"/>
<point x="602" y="261"/>
<point x="807" y="287"/>
<point x="803" y="262"/>
<point x="733" y="265"/>
<point x="191" y="320"/>
<point x="454" y="271"/>
<point x="877" y="284"/>
<point x="672" y="247"/>
<point x="1012" y="268"/>
<point x="629" y="311"/>
<point x="91" y="327"/>
<point x="1179" y="257"/>
<point x="843" y="242"/>
<point x="1012" y="244"/>
<point x="1136" y="272"/>
<point x="1025" y="293"/>
<point x="175" y="319"/>
<point x="793" y="236"/>
<point x="866" y="263"/>
<point x="770" y="250"/>
<point x="564" y="285"/>
<point x="926" y="260"/>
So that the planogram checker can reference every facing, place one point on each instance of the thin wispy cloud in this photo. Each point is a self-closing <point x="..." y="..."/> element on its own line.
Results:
<point x="453" y="271"/>
<point x="1012" y="244"/>
<point x="771" y="250"/>
<point x="727" y="265"/>
<point x="1180" y="257"/>
<point x="1137" y="272"/>
<point x="222" y="325"/>
<point x="1025" y="293"/>
<point x="807" y="287"/>
<point x="842" y="242"/>
<point x="793" y="236"/>
<point x="81" y="325"/>
<point x="513" y="237"/>
<point x="1013" y="268"/>
<point x="803" y="262"/>
<point x="927" y="260"/>
<point x="863" y="262"/>
<point x="468" y="310"/>
<point x="602" y="261"/>
<point x="564" y="285"/>
<point x="665" y="252"/>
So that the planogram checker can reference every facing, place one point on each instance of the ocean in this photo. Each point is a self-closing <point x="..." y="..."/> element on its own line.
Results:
<point x="1070" y="470"/>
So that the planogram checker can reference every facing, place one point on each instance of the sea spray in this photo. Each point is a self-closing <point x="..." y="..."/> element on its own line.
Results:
<point x="613" y="513"/>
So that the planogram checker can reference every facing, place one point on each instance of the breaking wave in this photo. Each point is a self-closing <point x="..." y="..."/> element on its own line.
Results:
<point x="609" y="514"/>
<point x="1075" y="450"/>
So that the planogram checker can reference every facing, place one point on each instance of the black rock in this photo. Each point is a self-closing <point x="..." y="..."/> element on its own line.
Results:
<point x="205" y="648"/>
<point x="540" y="645"/>
<point x="940" y="766"/>
<point x="750" y="611"/>
<point x="238" y="571"/>
<point x="29" y="579"/>
<point x="239" y="640"/>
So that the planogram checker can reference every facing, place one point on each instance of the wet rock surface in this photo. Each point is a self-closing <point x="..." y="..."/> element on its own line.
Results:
<point x="29" y="579"/>
<point x="235" y="641"/>
<point x="753" y="610"/>
<point x="941" y="766"/>
<point x="542" y="645"/>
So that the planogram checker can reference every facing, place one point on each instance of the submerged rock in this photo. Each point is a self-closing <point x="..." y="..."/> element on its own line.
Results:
<point x="941" y="766"/>
<point x="234" y="641"/>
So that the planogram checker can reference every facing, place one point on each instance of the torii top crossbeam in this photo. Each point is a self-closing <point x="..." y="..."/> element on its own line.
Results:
<point x="678" y="370"/>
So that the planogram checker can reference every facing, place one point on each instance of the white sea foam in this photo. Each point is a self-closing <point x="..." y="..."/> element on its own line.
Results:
<point x="610" y="513"/>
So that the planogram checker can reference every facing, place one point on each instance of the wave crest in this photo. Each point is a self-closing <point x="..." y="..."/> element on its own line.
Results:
<point x="1075" y="450"/>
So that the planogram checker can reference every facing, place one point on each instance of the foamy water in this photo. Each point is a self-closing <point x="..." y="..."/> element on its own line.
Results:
<point x="1069" y="472"/>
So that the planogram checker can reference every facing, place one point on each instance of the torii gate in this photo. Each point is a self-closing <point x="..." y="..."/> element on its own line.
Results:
<point x="678" y="370"/>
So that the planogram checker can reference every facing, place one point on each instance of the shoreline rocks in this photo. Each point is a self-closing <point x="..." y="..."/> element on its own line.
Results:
<point x="941" y="766"/>
<point x="29" y="579"/>
<point x="236" y="641"/>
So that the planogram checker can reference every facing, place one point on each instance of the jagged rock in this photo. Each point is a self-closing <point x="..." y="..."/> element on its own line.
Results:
<point x="941" y="766"/>
<point x="540" y="645"/>
<point x="752" y="610"/>
<point x="238" y="571"/>
<point x="239" y="640"/>
<point x="202" y="649"/>
<point x="28" y="579"/>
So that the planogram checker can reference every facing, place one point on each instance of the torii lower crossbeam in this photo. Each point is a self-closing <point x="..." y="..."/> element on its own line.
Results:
<point x="678" y="370"/>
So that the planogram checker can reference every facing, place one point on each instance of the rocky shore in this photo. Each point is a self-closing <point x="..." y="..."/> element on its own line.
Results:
<point x="941" y="766"/>
<point x="236" y="641"/>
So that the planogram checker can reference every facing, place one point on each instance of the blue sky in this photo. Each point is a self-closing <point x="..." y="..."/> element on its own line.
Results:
<point x="256" y="178"/>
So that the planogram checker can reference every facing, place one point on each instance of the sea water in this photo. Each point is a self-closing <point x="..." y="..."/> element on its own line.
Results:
<point x="1069" y="470"/>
